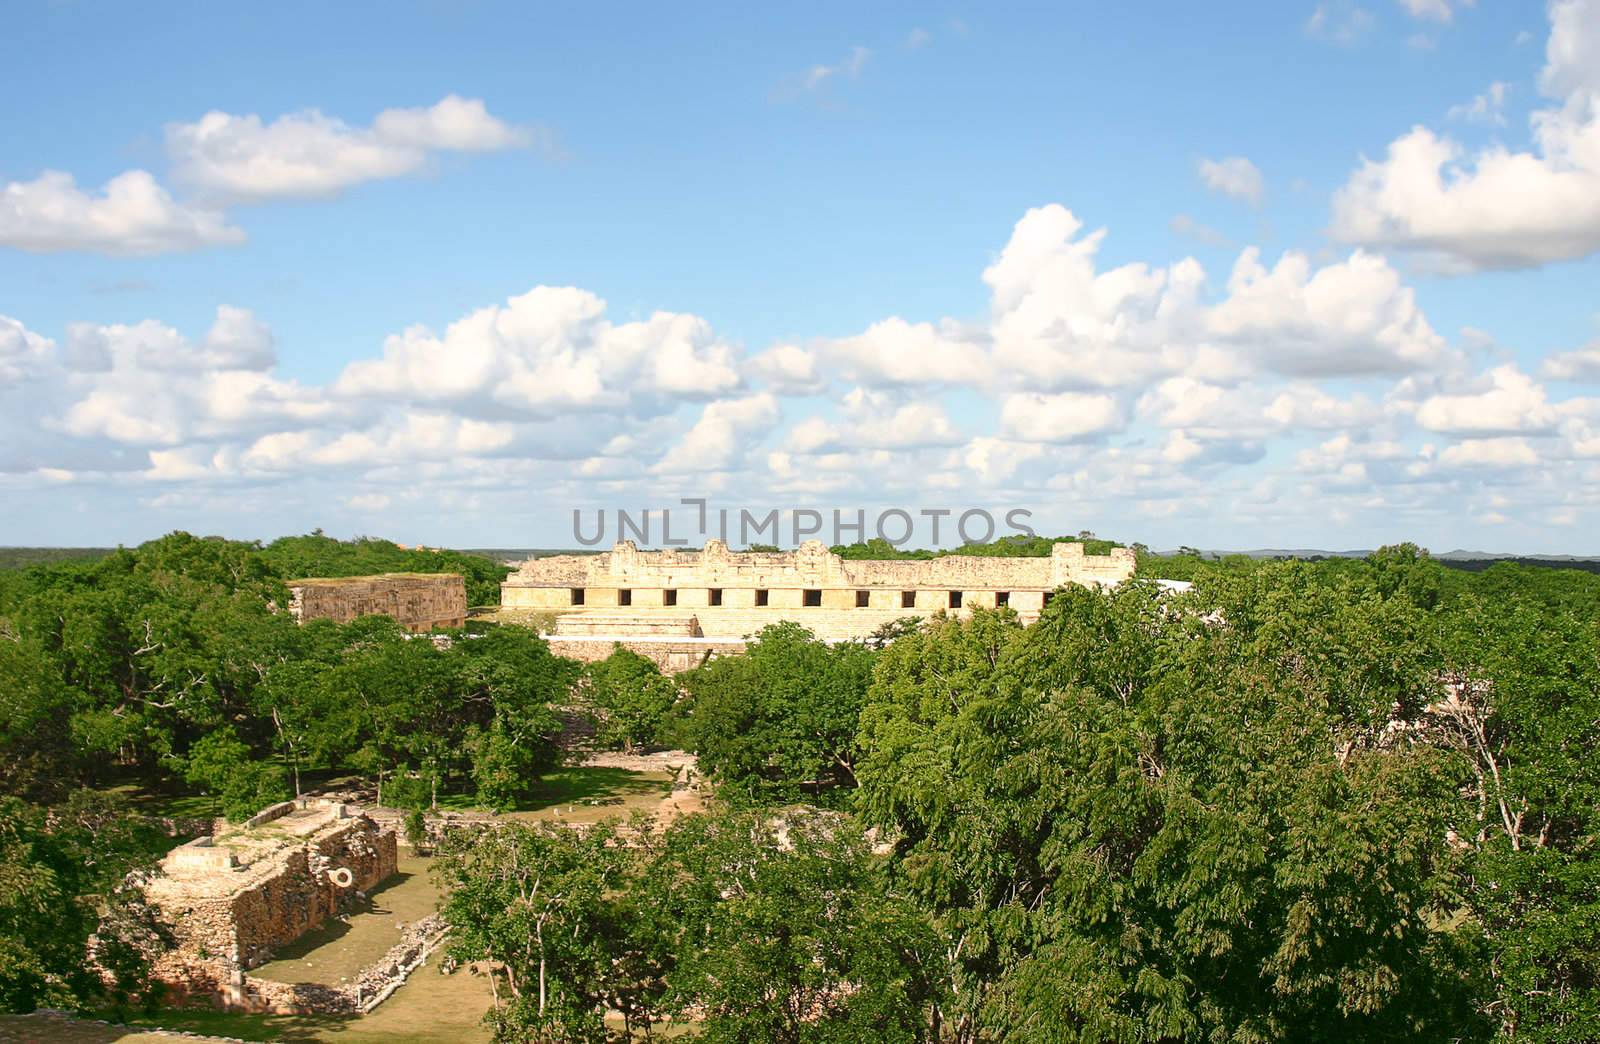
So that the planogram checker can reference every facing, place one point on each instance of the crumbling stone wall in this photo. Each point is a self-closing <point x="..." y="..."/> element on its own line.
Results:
<point x="232" y="900"/>
<point x="419" y="601"/>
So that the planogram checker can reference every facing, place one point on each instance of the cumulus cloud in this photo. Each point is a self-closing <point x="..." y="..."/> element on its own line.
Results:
<point x="1350" y="318"/>
<point x="224" y="158"/>
<point x="1234" y="176"/>
<point x="1582" y="364"/>
<point x="725" y="432"/>
<point x="1064" y="417"/>
<point x="1058" y="322"/>
<point x="1497" y="208"/>
<point x="548" y="351"/>
<point x="308" y="154"/>
<point x="790" y="369"/>
<point x="131" y="215"/>
<point x="874" y="420"/>
<point x="896" y="352"/>
<point x="1146" y="385"/>
<point x="1507" y="401"/>
<point x="1500" y="453"/>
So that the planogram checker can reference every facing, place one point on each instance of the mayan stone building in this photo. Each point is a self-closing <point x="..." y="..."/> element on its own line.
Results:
<point x="418" y="601"/>
<point x="680" y="606"/>
<point x="234" y="898"/>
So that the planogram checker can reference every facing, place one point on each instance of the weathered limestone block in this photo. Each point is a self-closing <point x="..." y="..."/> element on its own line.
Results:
<point x="418" y="601"/>
<point x="234" y="898"/>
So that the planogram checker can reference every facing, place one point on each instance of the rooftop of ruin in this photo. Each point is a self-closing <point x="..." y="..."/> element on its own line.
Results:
<point x="813" y="565"/>
<point x="239" y="857"/>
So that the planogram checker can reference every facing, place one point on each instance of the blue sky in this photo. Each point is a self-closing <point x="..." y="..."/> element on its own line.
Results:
<point x="1344" y="290"/>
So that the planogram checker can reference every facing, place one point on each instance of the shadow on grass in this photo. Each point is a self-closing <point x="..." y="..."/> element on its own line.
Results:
<point x="570" y="786"/>
<point x="333" y="929"/>
<point x="225" y="1024"/>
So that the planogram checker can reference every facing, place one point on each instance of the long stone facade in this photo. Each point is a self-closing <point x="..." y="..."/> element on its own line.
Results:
<point x="234" y="898"/>
<point x="419" y="601"/>
<point x="681" y="606"/>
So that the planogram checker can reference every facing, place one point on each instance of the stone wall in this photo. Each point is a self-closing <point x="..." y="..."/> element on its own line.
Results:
<point x="671" y="656"/>
<point x="234" y="898"/>
<point x="419" y="601"/>
<point x="643" y="594"/>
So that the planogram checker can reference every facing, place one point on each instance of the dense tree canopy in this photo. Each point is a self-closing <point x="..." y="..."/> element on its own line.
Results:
<point x="782" y="717"/>
<point x="1346" y="799"/>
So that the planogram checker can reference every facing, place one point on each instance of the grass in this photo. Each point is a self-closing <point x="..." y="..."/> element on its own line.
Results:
<point x="338" y="950"/>
<point x="429" y="1009"/>
<point x="574" y="793"/>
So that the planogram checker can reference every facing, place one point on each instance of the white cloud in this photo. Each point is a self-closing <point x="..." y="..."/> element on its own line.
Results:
<point x="789" y="369"/>
<point x="726" y="430"/>
<point x="1432" y="10"/>
<point x="1064" y="417"/>
<point x="1350" y="318"/>
<point x="1498" y="208"/>
<point x="894" y="351"/>
<point x="1057" y="322"/>
<point x="308" y="154"/>
<point x="1339" y="21"/>
<point x="996" y="460"/>
<point x="1143" y="389"/>
<point x="549" y="351"/>
<point x="849" y="68"/>
<point x="1500" y="453"/>
<point x="1582" y="364"/>
<point x="147" y="385"/>
<point x="23" y="354"/>
<point x="917" y="39"/>
<point x="873" y="420"/>
<point x="1572" y="55"/>
<point x="132" y="215"/>
<point x="1506" y="402"/>
<point x="1488" y="107"/>
<point x="1234" y="176"/>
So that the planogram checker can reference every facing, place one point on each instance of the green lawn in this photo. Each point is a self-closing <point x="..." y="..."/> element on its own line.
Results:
<point x="581" y="792"/>
<point x="338" y="950"/>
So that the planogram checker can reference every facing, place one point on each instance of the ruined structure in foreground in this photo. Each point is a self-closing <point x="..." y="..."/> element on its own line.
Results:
<point x="234" y="898"/>
<point x="419" y="601"/>
<point x="679" y="607"/>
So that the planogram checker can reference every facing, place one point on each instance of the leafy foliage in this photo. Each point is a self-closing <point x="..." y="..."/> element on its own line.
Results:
<point x="316" y="555"/>
<point x="632" y="697"/>
<point x="756" y="927"/>
<point x="780" y="718"/>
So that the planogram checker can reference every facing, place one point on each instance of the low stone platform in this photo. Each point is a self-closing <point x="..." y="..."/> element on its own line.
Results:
<point x="234" y="897"/>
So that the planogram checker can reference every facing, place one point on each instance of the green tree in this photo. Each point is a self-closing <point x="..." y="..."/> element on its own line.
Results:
<point x="1523" y="711"/>
<point x="1140" y="798"/>
<point x="632" y="697"/>
<point x="223" y="766"/>
<point x="782" y="717"/>
<point x="540" y="899"/>
<point x="62" y="877"/>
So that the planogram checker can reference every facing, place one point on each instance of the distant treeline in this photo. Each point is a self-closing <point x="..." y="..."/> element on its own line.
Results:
<point x="24" y="557"/>
<point x="319" y="555"/>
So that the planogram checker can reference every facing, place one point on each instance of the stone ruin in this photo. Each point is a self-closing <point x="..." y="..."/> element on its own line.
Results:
<point x="234" y="897"/>
<point x="418" y="601"/>
<point x="681" y="607"/>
